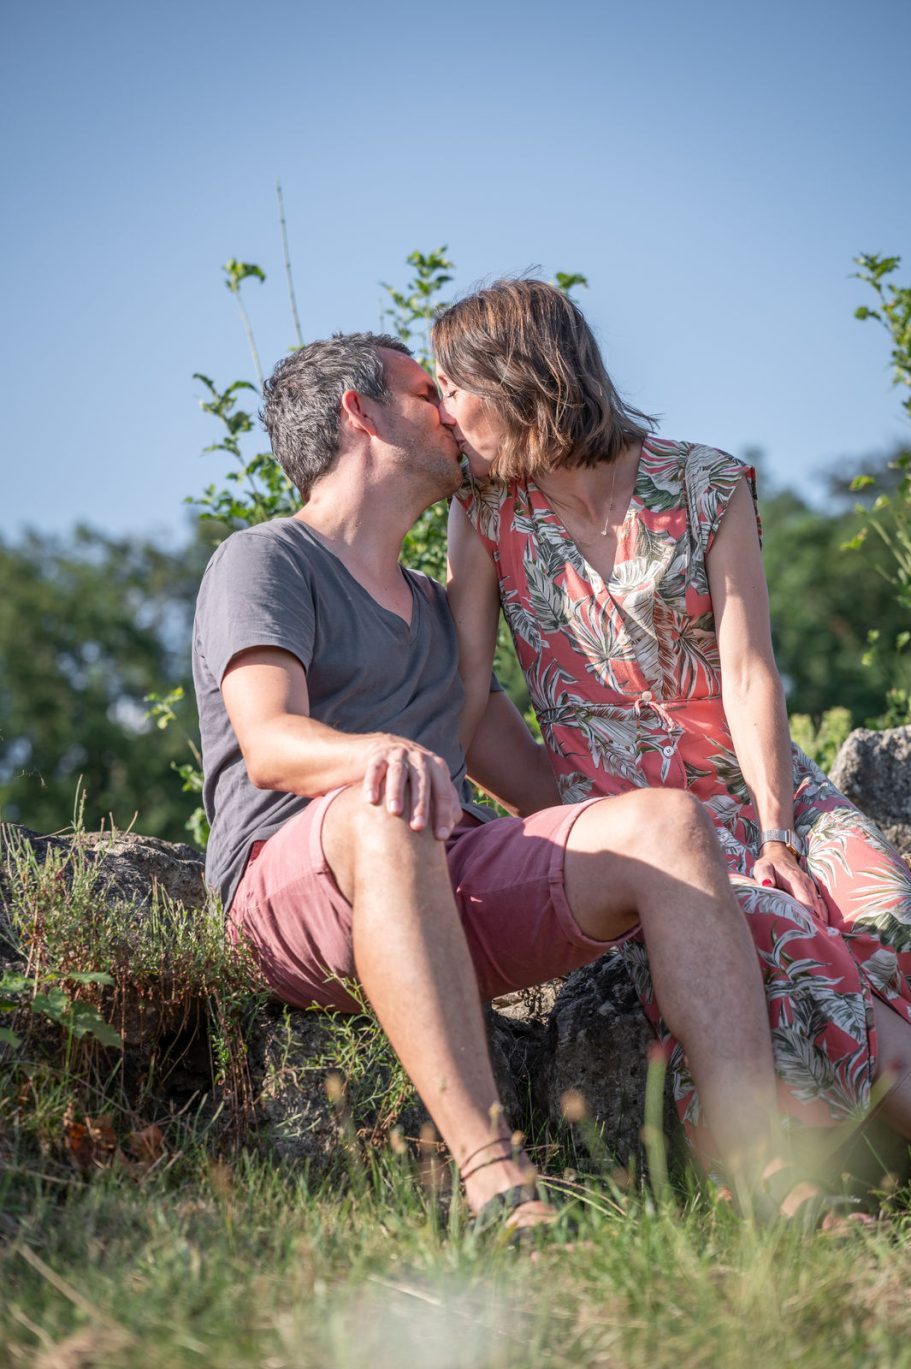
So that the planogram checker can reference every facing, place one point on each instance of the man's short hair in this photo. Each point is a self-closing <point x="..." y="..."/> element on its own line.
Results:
<point x="303" y="396"/>
<point x="525" y="348"/>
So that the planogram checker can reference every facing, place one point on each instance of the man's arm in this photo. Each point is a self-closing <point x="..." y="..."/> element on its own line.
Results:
<point x="505" y="760"/>
<point x="268" y="704"/>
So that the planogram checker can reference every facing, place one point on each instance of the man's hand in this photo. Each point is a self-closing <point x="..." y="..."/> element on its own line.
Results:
<point x="265" y="693"/>
<point x="402" y="774"/>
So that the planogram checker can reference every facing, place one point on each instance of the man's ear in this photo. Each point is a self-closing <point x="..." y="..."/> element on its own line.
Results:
<point x="354" y="413"/>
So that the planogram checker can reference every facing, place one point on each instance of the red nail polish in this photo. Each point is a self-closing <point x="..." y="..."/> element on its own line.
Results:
<point x="767" y="884"/>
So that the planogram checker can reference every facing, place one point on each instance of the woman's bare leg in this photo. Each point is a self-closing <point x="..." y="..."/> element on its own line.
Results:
<point x="652" y="857"/>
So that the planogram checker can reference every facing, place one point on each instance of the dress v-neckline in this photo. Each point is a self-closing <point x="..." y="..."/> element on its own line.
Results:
<point x="595" y="578"/>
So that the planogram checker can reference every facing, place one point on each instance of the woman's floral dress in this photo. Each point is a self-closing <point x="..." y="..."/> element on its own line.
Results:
<point x="624" y="679"/>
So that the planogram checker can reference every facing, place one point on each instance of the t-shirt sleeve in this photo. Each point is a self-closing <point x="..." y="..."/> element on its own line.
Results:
<point x="712" y="476"/>
<point x="254" y="593"/>
<point x="482" y="505"/>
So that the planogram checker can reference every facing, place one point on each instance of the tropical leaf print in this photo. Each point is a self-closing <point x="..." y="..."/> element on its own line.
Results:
<point x="545" y="679"/>
<point x="482" y="501"/>
<point x="574" y="787"/>
<point x="620" y="670"/>
<point x="697" y="661"/>
<point x="727" y="771"/>
<point x="599" y="640"/>
<point x="521" y="623"/>
<point x="711" y="476"/>
<point x="547" y="600"/>
<point x="612" y="746"/>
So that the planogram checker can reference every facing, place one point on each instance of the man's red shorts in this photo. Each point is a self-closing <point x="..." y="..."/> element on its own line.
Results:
<point x="507" y="878"/>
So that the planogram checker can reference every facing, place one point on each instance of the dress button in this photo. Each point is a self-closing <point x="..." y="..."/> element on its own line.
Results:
<point x="646" y="696"/>
<point x="667" y="751"/>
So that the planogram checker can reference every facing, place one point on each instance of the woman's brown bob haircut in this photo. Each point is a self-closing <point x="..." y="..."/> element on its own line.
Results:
<point x="525" y="348"/>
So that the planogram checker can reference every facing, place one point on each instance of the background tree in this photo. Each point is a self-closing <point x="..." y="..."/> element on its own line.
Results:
<point x="88" y="628"/>
<point x="824" y="603"/>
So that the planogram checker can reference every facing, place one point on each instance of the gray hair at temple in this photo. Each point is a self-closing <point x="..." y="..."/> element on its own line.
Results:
<point x="303" y="396"/>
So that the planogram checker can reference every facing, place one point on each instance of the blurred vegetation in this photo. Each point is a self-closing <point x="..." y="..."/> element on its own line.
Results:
<point x="90" y="625"/>
<point x="95" y="685"/>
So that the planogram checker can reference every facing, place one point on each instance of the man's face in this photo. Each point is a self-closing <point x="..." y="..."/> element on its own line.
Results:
<point x="411" y="424"/>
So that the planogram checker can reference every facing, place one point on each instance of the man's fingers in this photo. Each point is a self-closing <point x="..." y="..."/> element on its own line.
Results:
<point x="445" y="816"/>
<point x="374" y="776"/>
<point x="407" y="779"/>
<point x="396" y="780"/>
<point x="420" y="793"/>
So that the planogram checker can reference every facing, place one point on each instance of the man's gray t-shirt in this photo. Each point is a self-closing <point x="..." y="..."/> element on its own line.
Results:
<point x="367" y="671"/>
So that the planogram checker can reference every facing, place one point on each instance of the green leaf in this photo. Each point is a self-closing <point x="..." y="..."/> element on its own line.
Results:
<point x="239" y="271"/>
<point x="861" y="482"/>
<point x="54" y="1004"/>
<point x="14" y="983"/>
<point x="86" y="1021"/>
<point x="9" y="1038"/>
<point x="89" y="977"/>
<point x="566" y="281"/>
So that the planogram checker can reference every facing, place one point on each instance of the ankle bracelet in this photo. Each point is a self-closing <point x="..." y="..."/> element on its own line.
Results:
<point x="494" y="1160"/>
<point x="497" y="1141"/>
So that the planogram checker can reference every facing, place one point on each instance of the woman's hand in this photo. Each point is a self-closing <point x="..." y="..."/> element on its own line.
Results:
<point x="779" y="868"/>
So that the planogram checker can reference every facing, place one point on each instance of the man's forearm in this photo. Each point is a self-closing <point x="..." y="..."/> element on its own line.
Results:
<point x="298" y="755"/>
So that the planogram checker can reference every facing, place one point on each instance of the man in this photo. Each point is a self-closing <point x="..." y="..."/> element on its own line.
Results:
<point x="344" y="840"/>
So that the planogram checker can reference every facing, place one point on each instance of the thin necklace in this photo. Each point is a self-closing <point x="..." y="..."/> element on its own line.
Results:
<point x="610" y="507"/>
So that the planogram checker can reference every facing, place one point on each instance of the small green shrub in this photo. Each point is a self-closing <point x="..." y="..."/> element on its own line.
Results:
<point x="823" y="742"/>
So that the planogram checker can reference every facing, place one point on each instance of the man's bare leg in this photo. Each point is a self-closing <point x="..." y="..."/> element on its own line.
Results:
<point x="413" y="962"/>
<point x="652" y="856"/>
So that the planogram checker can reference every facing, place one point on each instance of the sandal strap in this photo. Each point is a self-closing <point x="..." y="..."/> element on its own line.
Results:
<point x="502" y="1204"/>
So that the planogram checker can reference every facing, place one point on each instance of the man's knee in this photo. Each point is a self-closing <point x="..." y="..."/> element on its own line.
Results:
<point x="355" y="831"/>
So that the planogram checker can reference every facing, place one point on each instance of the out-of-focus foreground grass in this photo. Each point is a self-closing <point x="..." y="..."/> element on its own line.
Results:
<point x="241" y="1266"/>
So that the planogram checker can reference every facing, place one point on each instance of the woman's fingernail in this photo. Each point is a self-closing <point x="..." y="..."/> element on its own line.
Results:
<point x="767" y="884"/>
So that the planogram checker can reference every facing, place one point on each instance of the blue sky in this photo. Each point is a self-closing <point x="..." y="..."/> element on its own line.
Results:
<point x="712" y="168"/>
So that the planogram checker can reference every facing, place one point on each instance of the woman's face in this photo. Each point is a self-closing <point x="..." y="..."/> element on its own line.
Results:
<point x="475" y="425"/>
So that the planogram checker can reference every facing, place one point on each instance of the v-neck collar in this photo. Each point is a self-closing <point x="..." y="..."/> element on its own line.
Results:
<point x="395" y="619"/>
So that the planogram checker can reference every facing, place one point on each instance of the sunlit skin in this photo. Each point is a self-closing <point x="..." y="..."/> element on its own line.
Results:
<point x="411" y="423"/>
<point x="475" y="425"/>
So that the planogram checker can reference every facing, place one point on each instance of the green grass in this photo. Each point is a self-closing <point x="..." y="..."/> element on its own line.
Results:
<point x="206" y="1253"/>
<point x="240" y="1266"/>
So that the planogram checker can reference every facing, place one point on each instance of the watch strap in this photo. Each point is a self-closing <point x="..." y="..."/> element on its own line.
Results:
<point x="786" y="836"/>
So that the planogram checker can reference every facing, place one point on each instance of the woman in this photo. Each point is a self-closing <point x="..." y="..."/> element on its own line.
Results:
<point x="629" y="570"/>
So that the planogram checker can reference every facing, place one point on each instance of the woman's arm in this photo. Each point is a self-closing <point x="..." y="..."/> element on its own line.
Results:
<point x="474" y="602"/>
<point x="752" y="692"/>
<point x="507" y="762"/>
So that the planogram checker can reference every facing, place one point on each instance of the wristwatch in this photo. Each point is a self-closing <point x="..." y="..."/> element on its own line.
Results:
<point x="788" y="838"/>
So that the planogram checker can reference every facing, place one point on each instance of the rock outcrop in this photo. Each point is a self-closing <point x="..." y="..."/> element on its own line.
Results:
<point x="873" y="770"/>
